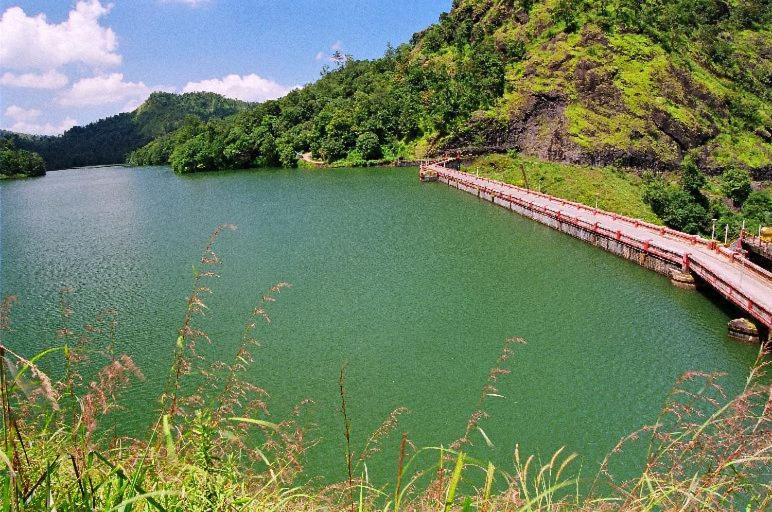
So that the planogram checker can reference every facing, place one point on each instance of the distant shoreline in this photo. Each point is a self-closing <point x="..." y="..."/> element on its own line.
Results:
<point x="96" y="166"/>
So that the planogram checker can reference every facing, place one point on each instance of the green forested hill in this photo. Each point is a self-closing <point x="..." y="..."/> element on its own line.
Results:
<point x="638" y="83"/>
<point x="110" y="140"/>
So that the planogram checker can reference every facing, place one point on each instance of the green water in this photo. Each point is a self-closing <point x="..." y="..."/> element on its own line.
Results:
<point x="413" y="286"/>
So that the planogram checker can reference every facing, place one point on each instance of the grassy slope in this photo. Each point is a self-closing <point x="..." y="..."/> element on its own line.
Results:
<point x="617" y="191"/>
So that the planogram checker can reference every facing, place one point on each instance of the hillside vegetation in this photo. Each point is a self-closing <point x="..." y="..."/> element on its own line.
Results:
<point x="110" y="140"/>
<point x="18" y="163"/>
<point x="605" y="82"/>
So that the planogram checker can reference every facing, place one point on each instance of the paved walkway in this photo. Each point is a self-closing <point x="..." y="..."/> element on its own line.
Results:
<point x="736" y="278"/>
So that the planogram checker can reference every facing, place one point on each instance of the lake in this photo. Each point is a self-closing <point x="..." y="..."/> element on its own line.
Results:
<point x="414" y="287"/>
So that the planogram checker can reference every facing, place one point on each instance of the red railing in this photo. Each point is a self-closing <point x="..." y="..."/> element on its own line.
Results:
<point x="660" y="230"/>
<point x="732" y="293"/>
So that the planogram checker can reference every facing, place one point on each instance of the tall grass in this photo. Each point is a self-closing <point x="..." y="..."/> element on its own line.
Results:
<point x="213" y="445"/>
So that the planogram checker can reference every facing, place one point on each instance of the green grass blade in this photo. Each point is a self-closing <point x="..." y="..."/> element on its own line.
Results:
<point x="260" y="423"/>
<point x="454" y="479"/>
<point x="171" y="451"/>
<point x="489" y="474"/>
<point x="146" y="496"/>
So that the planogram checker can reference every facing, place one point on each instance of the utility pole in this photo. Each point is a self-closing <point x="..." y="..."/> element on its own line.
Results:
<point x="726" y="235"/>
<point x="713" y="230"/>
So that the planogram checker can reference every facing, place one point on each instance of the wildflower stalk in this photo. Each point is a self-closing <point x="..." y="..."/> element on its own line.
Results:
<point x="346" y="431"/>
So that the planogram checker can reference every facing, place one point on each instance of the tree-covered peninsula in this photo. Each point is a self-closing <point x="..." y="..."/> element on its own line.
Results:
<point x="19" y="163"/>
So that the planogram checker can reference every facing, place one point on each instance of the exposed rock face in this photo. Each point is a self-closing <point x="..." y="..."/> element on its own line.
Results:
<point x="685" y="136"/>
<point x="613" y="99"/>
<point x="539" y="129"/>
<point x="595" y="85"/>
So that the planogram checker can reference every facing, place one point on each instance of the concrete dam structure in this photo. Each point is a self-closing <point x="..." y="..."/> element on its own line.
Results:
<point x="680" y="256"/>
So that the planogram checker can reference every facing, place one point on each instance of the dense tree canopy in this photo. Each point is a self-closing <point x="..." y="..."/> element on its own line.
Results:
<point x="683" y="207"/>
<point x="362" y="110"/>
<point x="736" y="185"/>
<point x="19" y="162"/>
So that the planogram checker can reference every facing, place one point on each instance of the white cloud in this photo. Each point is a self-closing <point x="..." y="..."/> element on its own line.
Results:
<point x="248" y="87"/>
<point x="337" y="46"/>
<point x="106" y="90"/>
<point x="27" y="121"/>
<point x="49" y="80"/>
<point x="31" y="42"/>
<point x="44" y="128"/>
<point x="22" y="114"/>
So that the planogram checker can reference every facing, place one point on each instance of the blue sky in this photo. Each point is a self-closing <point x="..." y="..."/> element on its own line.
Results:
<point x="72" y="62"/>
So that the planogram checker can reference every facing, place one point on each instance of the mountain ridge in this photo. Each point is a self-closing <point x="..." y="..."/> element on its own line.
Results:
<point x="110" y="140"/>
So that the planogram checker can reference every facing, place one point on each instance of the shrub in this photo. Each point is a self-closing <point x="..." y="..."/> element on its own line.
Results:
<point x="693" y="181"/>
<point x="675" y="206"/>
<point x="369" y="146"/>
<point x="656" y="193"/>
<point x="684" y="214"/>
<point x="758" y="208"/>
<point x="332" y="149"/>
<point x="736" y="185"/>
